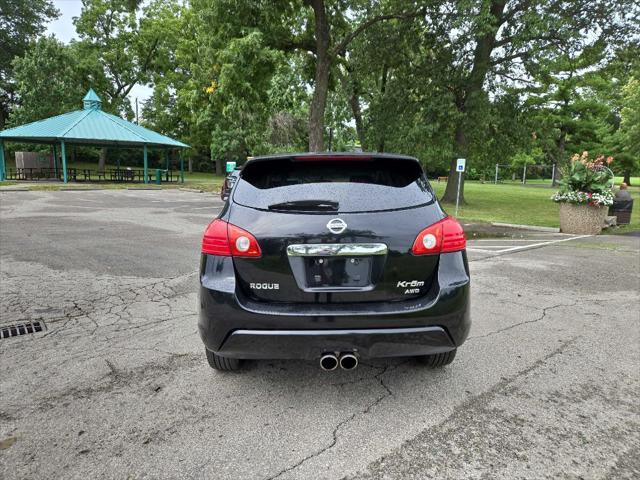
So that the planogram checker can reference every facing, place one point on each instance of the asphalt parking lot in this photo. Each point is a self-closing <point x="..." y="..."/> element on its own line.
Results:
<point x="117" y="385"/>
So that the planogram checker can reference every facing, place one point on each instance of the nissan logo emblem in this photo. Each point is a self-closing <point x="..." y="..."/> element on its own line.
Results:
<point x="336" y="225"/>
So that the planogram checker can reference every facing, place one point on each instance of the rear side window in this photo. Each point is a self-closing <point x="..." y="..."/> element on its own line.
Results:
<point x="341" y="185"/>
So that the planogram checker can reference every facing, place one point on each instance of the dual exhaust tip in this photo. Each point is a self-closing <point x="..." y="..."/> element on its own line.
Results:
<point x="347" y="361"/>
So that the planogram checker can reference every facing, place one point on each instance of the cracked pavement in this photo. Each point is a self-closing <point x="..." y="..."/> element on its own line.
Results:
<point x="546" y="386"/>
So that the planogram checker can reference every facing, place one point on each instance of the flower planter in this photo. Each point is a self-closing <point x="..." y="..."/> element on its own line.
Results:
<point x="582" y="219"/>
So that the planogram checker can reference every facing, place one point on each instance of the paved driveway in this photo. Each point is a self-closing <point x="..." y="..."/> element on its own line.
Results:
<point x="117" y="385"/>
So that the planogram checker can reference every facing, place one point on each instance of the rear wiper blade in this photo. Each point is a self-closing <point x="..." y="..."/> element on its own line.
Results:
<point x="307" y="206"/>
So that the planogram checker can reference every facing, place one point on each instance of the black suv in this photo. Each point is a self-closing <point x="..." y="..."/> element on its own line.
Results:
<point x="333" y="257"/>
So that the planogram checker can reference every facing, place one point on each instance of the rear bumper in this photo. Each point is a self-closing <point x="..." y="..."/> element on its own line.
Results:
<point x="231" y="326"/>
<point x="311" y="344"/>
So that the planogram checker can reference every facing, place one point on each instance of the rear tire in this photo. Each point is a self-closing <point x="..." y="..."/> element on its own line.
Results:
<point x="438" y="360"/>
<point x="223" y="364"/>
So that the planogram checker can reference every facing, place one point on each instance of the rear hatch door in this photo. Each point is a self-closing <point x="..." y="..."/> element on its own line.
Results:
<point x="334" y="230"/>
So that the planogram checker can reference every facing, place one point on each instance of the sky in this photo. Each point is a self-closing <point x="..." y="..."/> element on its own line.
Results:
<point x="64" y="30"/>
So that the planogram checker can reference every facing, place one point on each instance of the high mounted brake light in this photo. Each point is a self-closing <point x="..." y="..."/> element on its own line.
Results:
<point x="225" y="239"/>
<point x="313" y="158"/>
<point x="444" y="236"/>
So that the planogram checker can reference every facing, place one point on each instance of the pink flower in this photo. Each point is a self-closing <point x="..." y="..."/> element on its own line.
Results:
<point x="609" y="160"/>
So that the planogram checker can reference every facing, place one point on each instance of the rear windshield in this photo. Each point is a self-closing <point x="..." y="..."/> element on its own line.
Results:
<point x="333" y="185"/>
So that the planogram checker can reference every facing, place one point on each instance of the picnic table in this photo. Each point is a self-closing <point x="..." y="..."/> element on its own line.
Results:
<point x="88" y="175"/>
<point x="39" y="173"/>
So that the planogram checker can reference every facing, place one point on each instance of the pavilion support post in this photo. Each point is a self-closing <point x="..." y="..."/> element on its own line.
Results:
<point x="167" y="164"/>
<point x="3" y="168"/>
<point x="181" y="168"/>
<point x="55" y="160"/>
<point x="146" y="166"/>
<point x="63" y="154"/>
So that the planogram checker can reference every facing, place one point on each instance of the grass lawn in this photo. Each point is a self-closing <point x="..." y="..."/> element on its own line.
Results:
<point x="508" y="202"/>
<point x="207" y="182"/>
<point x="514" y="203"/>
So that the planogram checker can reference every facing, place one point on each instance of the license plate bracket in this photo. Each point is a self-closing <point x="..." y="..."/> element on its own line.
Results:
<point x="337" y="272"/>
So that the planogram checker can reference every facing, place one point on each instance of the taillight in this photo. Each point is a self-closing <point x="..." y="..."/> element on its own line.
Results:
<point x="242" y="243"/>
<point x="444" y="236"/>
<point x="222" y="238"/>
<point x="216" y="239"/>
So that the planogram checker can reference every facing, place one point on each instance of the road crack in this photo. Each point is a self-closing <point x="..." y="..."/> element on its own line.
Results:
<point x="336" y="431"/>
<point x="525" y="322"/>
<point x="472" y="404"/>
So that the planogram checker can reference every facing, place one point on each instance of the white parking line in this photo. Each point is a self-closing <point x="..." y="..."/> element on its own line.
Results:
<point x="540" y="244"/>
<point x="493" y="240"/>
<point x="494" y="248"/>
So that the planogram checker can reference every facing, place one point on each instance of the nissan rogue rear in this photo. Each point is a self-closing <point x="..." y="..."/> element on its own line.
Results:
<point x="334" y="258"/>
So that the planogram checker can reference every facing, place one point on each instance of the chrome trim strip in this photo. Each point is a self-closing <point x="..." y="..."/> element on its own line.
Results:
<point x="336" y="249"/>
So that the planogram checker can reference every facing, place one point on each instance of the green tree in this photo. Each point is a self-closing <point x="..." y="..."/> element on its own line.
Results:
<point x="50" y="79"/>
<point x="226" y="65"/>
<point x="21" y="21"/>
<point x="127" y="41"/>
<point x="334" y="28"/>
<point x="491" y="44"/>
<point x="630" y="127"/>
<point x="567" y="113"/>
<point x="403" y="85"/>
<point x="122" y="38"/>
<point x="319" y="30"/>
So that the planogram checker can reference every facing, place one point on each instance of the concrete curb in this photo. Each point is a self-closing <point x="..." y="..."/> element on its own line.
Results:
<point x="194" y="190"/>
<point x="78" y="190"/>
<point x="534" y="228"/>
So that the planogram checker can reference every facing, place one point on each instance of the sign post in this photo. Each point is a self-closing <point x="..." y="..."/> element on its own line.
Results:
<point x="460" y="165"/>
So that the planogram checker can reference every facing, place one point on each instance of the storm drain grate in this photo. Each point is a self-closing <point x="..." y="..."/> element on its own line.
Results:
<point x="7" y="331"/>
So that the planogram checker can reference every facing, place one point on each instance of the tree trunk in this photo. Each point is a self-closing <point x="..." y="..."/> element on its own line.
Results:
<point x="460" y="148"/>
<point x="190" y="165"/>
<point x="559" y="156"/>
<point x="560" y="143"/>
<point x="558" y="176"/>
<point x="321" y="87"/>
<point x="554" y="175"/>
<point x="627" y="177"/>
<point x="3" y="117"/>
<point x="470" y="96"/>
<point x="383" y="89"/>
<point x="354" y="101"/>
<point x="103" y="159"/>
<point x="351" y="87"/>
